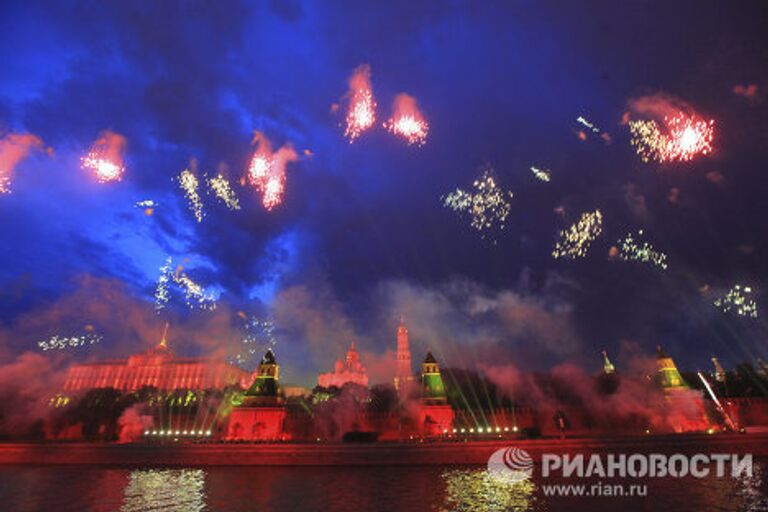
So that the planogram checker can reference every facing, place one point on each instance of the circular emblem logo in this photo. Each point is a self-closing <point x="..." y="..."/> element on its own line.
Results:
<point x="512" y="464"/>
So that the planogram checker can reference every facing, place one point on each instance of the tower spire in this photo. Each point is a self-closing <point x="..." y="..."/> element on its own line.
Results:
<point x="719" y="371"/>
<point x="608" y="367"/>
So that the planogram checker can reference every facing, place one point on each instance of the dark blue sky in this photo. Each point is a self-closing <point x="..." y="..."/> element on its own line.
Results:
<point x="361" y="236"/>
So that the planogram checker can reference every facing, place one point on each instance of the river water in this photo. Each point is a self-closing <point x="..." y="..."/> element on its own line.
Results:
<point x="332" y="489"/>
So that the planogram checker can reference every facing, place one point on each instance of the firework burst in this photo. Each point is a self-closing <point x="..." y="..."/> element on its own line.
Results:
<point x="739" y="300"/>
<point x="689" y="137"/>
<point x="223" y="191"/>
<point x="407" y="121"/>
<point x="575" y="241"/>
<point x="361" y="113"/>
<point x="679" y="138"/>
<point x="632" y="249"/>
<point x="266" y="171"/>
<point x="487" y="205"/>
<point x="190" y="184"/>
<point x="105" y="159"/>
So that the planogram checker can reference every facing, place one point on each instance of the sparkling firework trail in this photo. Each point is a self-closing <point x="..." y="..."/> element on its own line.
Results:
<point x="739" y="300"/>
<point x="647" y="139"/>
<point x="631" y="249"/>
<point x="487" y="206"/>
<point x="147" y="205"/>
<point x="407" y="121"/>
<point x="66" y="342"/>
<point x="161" y="289"/>
<point x="575" y="241"/>
<point x="194" y="294"/>
<point x="266" y="171"/>
<point x="258" y="338"/>
<point x="190" y="184"/>
<point x="587" y="124"/>
<point x="542" y="174"/>
<point x="224" y="191"/>
<point x="105" y="158"/>
<point x="679" y="139"/>
<point x="720" y="408"/>
<point x="361" y="113"/>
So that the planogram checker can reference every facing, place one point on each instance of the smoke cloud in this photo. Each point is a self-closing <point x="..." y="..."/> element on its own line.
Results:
<point x="637" y="402"/>
<point x="127" y="323"/>
<point x="656" y="106"/>
<point x="27" y="383"/>
<point x="110" y="146"/>
<point x="359" y="83"/>
<point x="14" y="147"/>
<point x="750" y="92"/>
<point x="635" y="202"/>
<point x="132" y="424"/>
<point x="405" y="105"/>
<point x="462" y="316"/>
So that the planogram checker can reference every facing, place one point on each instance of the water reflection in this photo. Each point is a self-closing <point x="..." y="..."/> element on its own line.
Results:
<point x="478" y="490"/>
<point x="172" y="490"/>
<point x="351" y="489"/>
<point x="751" y="490"/>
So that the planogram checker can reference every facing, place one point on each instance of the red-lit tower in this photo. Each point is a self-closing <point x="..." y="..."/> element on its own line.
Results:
<point x="403" y="373"/>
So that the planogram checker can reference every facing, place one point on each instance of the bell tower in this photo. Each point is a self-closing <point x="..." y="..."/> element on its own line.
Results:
<point x="404" y="372"/>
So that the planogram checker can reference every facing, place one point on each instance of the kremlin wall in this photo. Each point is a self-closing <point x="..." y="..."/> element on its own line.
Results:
<point x="163" y="398"/>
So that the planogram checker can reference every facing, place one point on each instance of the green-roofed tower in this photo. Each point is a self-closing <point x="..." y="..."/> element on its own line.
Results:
<point x="669" y="376"/>
<point x="265" y="384"/>
<point x="432" y="388"/>
<point x="261" y="415"/>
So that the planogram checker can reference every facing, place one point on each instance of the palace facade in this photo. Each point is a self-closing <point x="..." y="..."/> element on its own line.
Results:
<point x="158" y="368"/>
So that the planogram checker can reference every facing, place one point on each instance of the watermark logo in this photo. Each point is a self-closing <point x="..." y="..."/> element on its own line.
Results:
<point x="515" y="465"/>
<point x="511" y="464"/>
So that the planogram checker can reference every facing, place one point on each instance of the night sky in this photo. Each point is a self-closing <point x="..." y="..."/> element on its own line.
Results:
<point x="362" y="237"/>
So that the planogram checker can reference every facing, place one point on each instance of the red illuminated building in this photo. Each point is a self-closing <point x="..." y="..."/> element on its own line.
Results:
<point x="261" y="415"/>
<point x="349" y="370"/>
<point x="157" y="367"/>
<point x="435" y="415"/>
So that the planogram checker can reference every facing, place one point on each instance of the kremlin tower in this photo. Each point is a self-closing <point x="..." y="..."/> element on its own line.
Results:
<point x="435" y="415"/>
<point x="260" y="415"/>
<point x="669" y="376"/>
<point x="684" y="408"/>
<point x="403" y="373"/>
